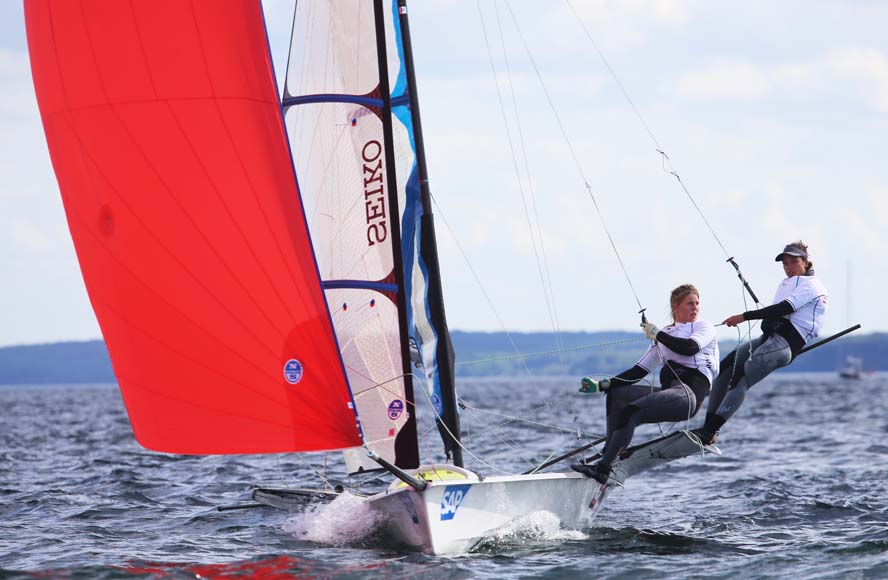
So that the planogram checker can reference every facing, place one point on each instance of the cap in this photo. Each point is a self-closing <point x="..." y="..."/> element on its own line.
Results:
<point x="792" y="250"/>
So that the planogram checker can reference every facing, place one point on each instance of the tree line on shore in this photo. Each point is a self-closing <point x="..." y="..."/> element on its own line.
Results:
<point x="478" y="354"/>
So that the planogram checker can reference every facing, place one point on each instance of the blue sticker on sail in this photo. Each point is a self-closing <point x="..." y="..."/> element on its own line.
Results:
<point x="436" y="403"/>
<point x="395" y="409"/>
<point x="453" y="496"/>
<point x="293" y="371"/>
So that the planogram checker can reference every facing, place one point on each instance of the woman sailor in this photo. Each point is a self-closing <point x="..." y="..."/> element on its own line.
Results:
<point x="795" y="318"/>
<point x="688" y="351"/>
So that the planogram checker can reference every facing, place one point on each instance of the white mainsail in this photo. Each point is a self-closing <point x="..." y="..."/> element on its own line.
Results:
<point x="334" y="114"/>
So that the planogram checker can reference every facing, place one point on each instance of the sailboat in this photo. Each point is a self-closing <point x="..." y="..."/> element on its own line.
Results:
<point x="853" y="366"/>
<point x="262" y="269"/>
<point x="852" y="369"/>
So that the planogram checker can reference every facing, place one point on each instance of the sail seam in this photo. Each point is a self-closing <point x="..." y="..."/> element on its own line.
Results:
<point x="124" y="102"/>
<point x="236" y="149"/>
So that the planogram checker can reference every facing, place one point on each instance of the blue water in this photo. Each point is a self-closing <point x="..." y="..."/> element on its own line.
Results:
<point x="801" y="491"/>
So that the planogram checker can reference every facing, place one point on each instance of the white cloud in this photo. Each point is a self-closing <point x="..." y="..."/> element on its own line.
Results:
<point x="637" y="12"/>
<point x="18" y="90"/>
<point x="768" y="113"/>
<point x="28" y="237"/>
<point x="23" y="155"/>
<point x="867" y="69"/>
<point x="876" y="196"/>
<point x="664" y="10"/>
<point x="734" y="80"/>
<point x="857" y="74"/>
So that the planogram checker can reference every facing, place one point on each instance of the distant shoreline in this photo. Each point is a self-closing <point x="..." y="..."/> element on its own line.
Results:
<point x="112" y="385"/>
<point x="579" y="354"/>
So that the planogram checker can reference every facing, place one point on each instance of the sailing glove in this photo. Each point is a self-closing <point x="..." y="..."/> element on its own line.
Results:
<point x="650" y="330"/>
<point x="588" y="385"/>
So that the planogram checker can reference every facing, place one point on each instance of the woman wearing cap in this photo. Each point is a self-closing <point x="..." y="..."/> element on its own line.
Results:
<point x="688" y="351"/>
<point x="795" y="318"/>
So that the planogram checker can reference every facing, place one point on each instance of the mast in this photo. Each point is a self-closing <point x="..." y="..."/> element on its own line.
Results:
<point x="406" y="443"/>
<point x="445" y="356"/>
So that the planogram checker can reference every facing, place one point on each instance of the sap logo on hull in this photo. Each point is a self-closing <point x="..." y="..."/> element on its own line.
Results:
<point x="453" y="496"/>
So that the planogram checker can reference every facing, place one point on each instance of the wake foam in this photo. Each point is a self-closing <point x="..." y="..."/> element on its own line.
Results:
<point x="537" y="527"/>
<point x="344" y="521"/>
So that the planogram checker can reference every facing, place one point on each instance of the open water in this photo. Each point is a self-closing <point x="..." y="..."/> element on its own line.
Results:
<point x="801" y="491"/>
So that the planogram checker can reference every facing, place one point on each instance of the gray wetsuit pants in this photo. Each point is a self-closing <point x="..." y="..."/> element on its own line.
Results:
<point x="739" y="371"/>
<point x="629" y="406"/>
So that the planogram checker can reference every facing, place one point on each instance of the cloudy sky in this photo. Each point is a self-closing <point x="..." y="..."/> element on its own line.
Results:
<point x="774" y="114"/>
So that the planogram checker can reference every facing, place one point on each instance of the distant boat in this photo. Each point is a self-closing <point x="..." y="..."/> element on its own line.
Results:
<point x="853" y="368"/>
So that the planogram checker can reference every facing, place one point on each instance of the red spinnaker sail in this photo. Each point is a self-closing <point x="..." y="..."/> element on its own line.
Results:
<point x="165" y="133"/>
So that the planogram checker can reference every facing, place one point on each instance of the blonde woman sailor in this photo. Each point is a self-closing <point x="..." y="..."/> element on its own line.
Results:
<point x="687" y="349"/>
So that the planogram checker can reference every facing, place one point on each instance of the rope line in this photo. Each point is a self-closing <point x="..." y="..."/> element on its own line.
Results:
<point x="668" y="168"/>
<point x="572" y="151"/>
<point x="456" y="439"/>
<point x="539" y="253"/>
<point x="613" y="74"/>
<point x="547" y="282"/>
<point x="666" y="162"/>
<point x="490" y="303"/>
<point x="614" y="246"/>
<point x="441" y="424"/>
<point x="494" y="428"/>
<point x="520" y="418"/>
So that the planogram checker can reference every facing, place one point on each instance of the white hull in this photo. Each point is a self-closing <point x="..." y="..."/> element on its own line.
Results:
<point x="450" y="517"/>
<point x="457" y="509"/>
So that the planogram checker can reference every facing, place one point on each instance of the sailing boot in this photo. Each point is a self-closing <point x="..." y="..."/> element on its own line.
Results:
<point x="708" y="433"/>
<point x="597" y="472"/>
<point x="706" y="437"/>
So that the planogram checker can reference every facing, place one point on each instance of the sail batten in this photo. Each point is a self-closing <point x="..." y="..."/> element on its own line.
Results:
<point x="165" y="133"/>
<point x="369" y="284"/>
<point x="332" y="98"/>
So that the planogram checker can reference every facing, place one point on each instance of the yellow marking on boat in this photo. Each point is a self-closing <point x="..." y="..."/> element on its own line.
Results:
<point x="436" y="475"/>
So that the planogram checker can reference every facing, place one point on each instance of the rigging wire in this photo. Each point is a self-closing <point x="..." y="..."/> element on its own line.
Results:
<point x="546" y="287"/>
<point x="521" y="418"/>
<point x="421" y="438"/>
<point x="613" y="74"/>
<point x="547" y="282"/>
<point x="490" y="303"/>
<point x="456" y="439"/>
<point x="573" y="154"/>
<point x="543" y="271"/>
<point x="542" y="266"/>
<point x="440" y="423"/>
<point x="497" y="430"/>
<point x="666" y="162"/>
<point x="668" y="168"/>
